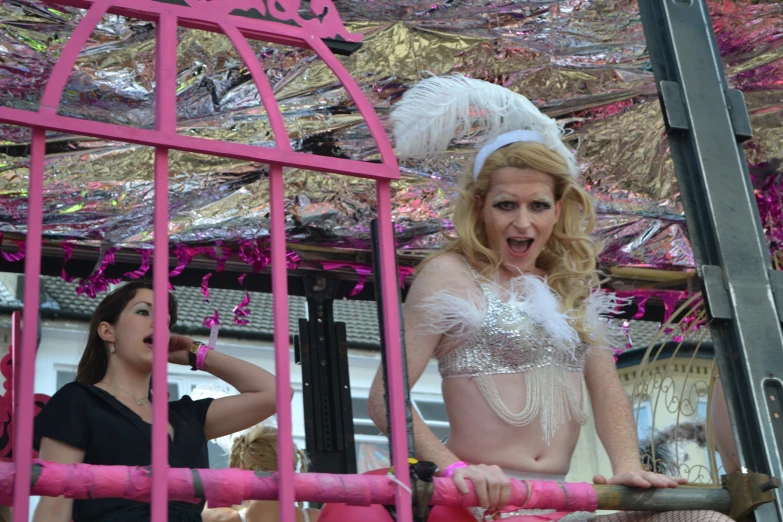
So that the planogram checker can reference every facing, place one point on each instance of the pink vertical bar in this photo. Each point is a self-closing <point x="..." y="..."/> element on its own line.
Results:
<point x="16" y="352"/>
<point x="23" y="439"/>
<point x="285" y="442"/>
<point x="165" y="121"/>
<point x="391" y="326"/>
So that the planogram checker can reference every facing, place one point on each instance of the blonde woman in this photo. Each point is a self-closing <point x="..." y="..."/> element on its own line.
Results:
<point x="512" y="308"/>
<point x="256" y="450"/>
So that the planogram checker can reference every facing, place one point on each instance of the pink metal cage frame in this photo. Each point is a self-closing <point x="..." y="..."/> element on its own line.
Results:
<point x="218" y="17"/>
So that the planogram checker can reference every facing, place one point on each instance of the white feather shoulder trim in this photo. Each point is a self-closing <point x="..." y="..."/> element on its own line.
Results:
<point x="599" y="306"/>
<point x="457" y="313"/>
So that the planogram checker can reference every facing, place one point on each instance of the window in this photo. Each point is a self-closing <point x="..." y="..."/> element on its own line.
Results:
<point x="702" y="411"/>
<point x="64" y="377"/>
<point x="434" y="415"/>
<point x="643" y="415"/>
<point x="372" y="446"/>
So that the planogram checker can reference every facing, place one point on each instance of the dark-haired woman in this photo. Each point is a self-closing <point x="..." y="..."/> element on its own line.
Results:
<point x="105" y="416"/>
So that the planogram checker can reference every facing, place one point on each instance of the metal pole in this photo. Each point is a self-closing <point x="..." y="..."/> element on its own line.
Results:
<point x="706" y="122"/>
<point x="379" y="292"/>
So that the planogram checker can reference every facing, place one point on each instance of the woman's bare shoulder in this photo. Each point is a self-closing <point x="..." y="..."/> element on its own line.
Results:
<point x="446" y="267"/>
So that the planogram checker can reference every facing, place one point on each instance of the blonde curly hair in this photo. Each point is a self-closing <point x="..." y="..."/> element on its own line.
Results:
<point x="256" y="450"/>
<point x="569" y="257"/>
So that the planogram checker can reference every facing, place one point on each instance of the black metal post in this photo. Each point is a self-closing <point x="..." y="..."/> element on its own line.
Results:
<point x="322" y="350"/>
<point x="706" y="122"/>
<point x="378" y="297"/>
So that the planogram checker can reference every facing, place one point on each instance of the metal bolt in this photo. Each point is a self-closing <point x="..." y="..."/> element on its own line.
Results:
<point x="773" y="483"/>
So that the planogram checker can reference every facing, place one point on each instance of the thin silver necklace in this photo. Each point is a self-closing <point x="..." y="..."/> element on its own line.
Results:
<point x="140" y="402"/>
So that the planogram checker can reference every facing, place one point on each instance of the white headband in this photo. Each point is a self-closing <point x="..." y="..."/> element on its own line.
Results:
<point x="501" y="141"/>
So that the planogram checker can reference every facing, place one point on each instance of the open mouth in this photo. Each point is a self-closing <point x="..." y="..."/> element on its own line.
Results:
<point x="519" y="246"/>
<point x="148" y="340"/>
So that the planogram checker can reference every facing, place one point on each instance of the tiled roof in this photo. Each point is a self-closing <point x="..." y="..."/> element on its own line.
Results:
<point x="60" y="300"/>
<point x="360" y="317"/>
<point x="6" y="299"/>
<point x="644" y="332"/>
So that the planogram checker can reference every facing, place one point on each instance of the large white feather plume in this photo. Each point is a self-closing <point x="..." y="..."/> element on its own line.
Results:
<point x="438" y="110"/>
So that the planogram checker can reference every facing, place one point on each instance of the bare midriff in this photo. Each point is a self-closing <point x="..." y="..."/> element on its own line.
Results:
<point x="479" y="436"/>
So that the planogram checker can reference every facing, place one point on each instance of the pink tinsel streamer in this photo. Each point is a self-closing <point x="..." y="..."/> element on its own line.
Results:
<point x="98" y="282"/>
<point x="16" y="256"/>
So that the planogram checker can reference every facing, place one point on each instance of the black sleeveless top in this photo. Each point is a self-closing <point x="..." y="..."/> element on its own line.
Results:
<point x="91" y="419"/>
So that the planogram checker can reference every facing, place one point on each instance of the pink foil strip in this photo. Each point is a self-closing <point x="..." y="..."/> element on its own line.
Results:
<point x="405" y="271"/>
<point x="67" y="253"/>
<point x="670" y="298"/>
<point x="16" y="256"/>
<point x="362" y="271"/>
<point x="292" y="260"/>
<point x="214" y="319"/>
<point x="241" y="310"/>
<point x="97" y="282"/>
<point x="184" y="255"/>
<point x="144" y="268"/>
<point x="220" y="254"/>
<point x="205" y="287"/>
<point x="250" y="252"/>
<point x="225" y="487"/>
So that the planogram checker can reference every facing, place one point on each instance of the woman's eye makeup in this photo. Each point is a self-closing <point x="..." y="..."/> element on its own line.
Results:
<point x="511" y="205"/>
<point x="504" y="205"/>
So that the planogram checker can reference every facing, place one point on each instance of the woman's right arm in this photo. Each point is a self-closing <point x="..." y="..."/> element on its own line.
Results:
<point x="56" y="509"/>
<point x="492" y="486"/>
<point x="420" y="347"/>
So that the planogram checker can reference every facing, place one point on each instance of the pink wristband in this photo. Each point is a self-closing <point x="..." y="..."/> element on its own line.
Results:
<point x="201" y="356"/>
<point x="449" y="471"/>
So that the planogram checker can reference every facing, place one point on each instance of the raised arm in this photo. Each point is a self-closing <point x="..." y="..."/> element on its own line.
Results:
<point x="256" y="386"/>
<point x="255" y="402"/>
<point x="420" y="345"/>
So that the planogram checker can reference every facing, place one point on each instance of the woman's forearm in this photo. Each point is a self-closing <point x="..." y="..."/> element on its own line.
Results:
<point x="242" y="375"/>
<point x="616" y="428"/>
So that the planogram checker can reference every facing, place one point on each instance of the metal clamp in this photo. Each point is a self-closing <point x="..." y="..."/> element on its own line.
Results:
<point x="674" y="109"/>
<point x="715" y="293"/>
<point x="749" y="491"/>
<point x="422" y="473"/>
<point x="776" y="282"/>
<point x="738" y="111"/>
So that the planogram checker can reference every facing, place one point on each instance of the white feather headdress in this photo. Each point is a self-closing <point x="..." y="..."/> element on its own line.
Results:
<point x="439" y="109"/>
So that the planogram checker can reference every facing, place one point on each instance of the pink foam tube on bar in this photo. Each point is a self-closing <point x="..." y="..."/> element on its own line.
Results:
<point x="226" y="487"/>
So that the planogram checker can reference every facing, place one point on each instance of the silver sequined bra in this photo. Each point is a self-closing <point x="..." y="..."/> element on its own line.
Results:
<point x="527" y="335"/>
<point x="508" y="341"/>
